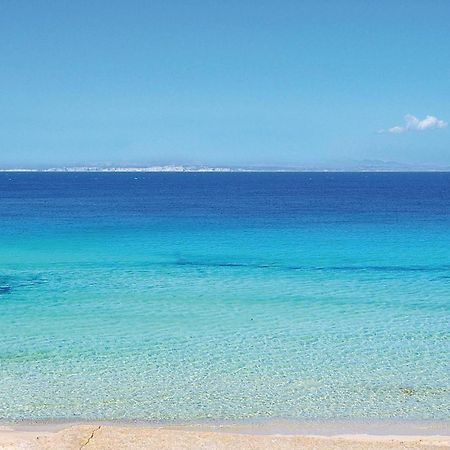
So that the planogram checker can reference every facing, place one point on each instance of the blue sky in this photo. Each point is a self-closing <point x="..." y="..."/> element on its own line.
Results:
<point x="224" y="82"/>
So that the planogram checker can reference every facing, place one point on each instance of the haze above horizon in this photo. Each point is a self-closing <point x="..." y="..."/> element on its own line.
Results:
<point x="290" y="84"/>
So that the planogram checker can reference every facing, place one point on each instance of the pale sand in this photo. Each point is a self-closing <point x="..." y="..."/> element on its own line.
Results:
<point x="99" y="436"/>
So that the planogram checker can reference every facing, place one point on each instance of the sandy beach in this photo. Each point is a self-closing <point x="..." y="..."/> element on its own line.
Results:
<point x="101" y="436"/>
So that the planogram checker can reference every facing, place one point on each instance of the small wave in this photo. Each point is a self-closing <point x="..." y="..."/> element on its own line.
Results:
<point x="10" y="283"/>
<point x="5" y="289"/>
<point x="221" y="264"/>
<point x="372" y="268"/>
<point x="386" y="268"/>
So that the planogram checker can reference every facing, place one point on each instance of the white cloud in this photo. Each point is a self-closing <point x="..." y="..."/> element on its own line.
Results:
<point x="396" y="130"/>
<point x="412" y="123"/>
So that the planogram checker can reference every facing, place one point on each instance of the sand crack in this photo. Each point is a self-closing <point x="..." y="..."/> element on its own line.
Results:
<point x="90" y="437"/>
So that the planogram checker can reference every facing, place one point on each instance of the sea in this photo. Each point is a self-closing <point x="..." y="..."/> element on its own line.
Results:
<point x="224" y="296"/>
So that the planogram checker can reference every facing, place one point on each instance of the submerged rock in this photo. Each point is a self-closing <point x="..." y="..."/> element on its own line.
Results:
<point x="408" y="390"/>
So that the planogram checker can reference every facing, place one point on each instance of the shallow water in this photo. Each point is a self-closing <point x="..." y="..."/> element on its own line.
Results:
<point x="224" y="296"/>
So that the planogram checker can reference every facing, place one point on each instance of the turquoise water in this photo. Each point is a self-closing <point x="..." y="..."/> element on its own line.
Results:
<point x="224" y="296"/>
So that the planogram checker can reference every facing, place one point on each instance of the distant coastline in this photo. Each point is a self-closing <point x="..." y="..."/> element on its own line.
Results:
<point x="362" y="167"/>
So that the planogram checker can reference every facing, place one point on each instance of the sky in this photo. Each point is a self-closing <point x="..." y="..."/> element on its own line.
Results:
<point x="262" y="83"/>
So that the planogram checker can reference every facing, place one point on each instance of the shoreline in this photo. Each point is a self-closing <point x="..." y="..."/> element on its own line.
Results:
<point x="263" y="425"/>
<point x="263" y="434"/>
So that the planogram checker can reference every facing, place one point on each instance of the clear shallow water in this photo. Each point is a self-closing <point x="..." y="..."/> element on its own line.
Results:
<point x="224" y="296"/>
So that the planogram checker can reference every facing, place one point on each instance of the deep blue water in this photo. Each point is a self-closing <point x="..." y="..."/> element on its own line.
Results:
<point x="224" y="296"/>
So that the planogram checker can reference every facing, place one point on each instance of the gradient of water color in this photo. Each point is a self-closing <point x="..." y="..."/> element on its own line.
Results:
<point x="224" y="296"/>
